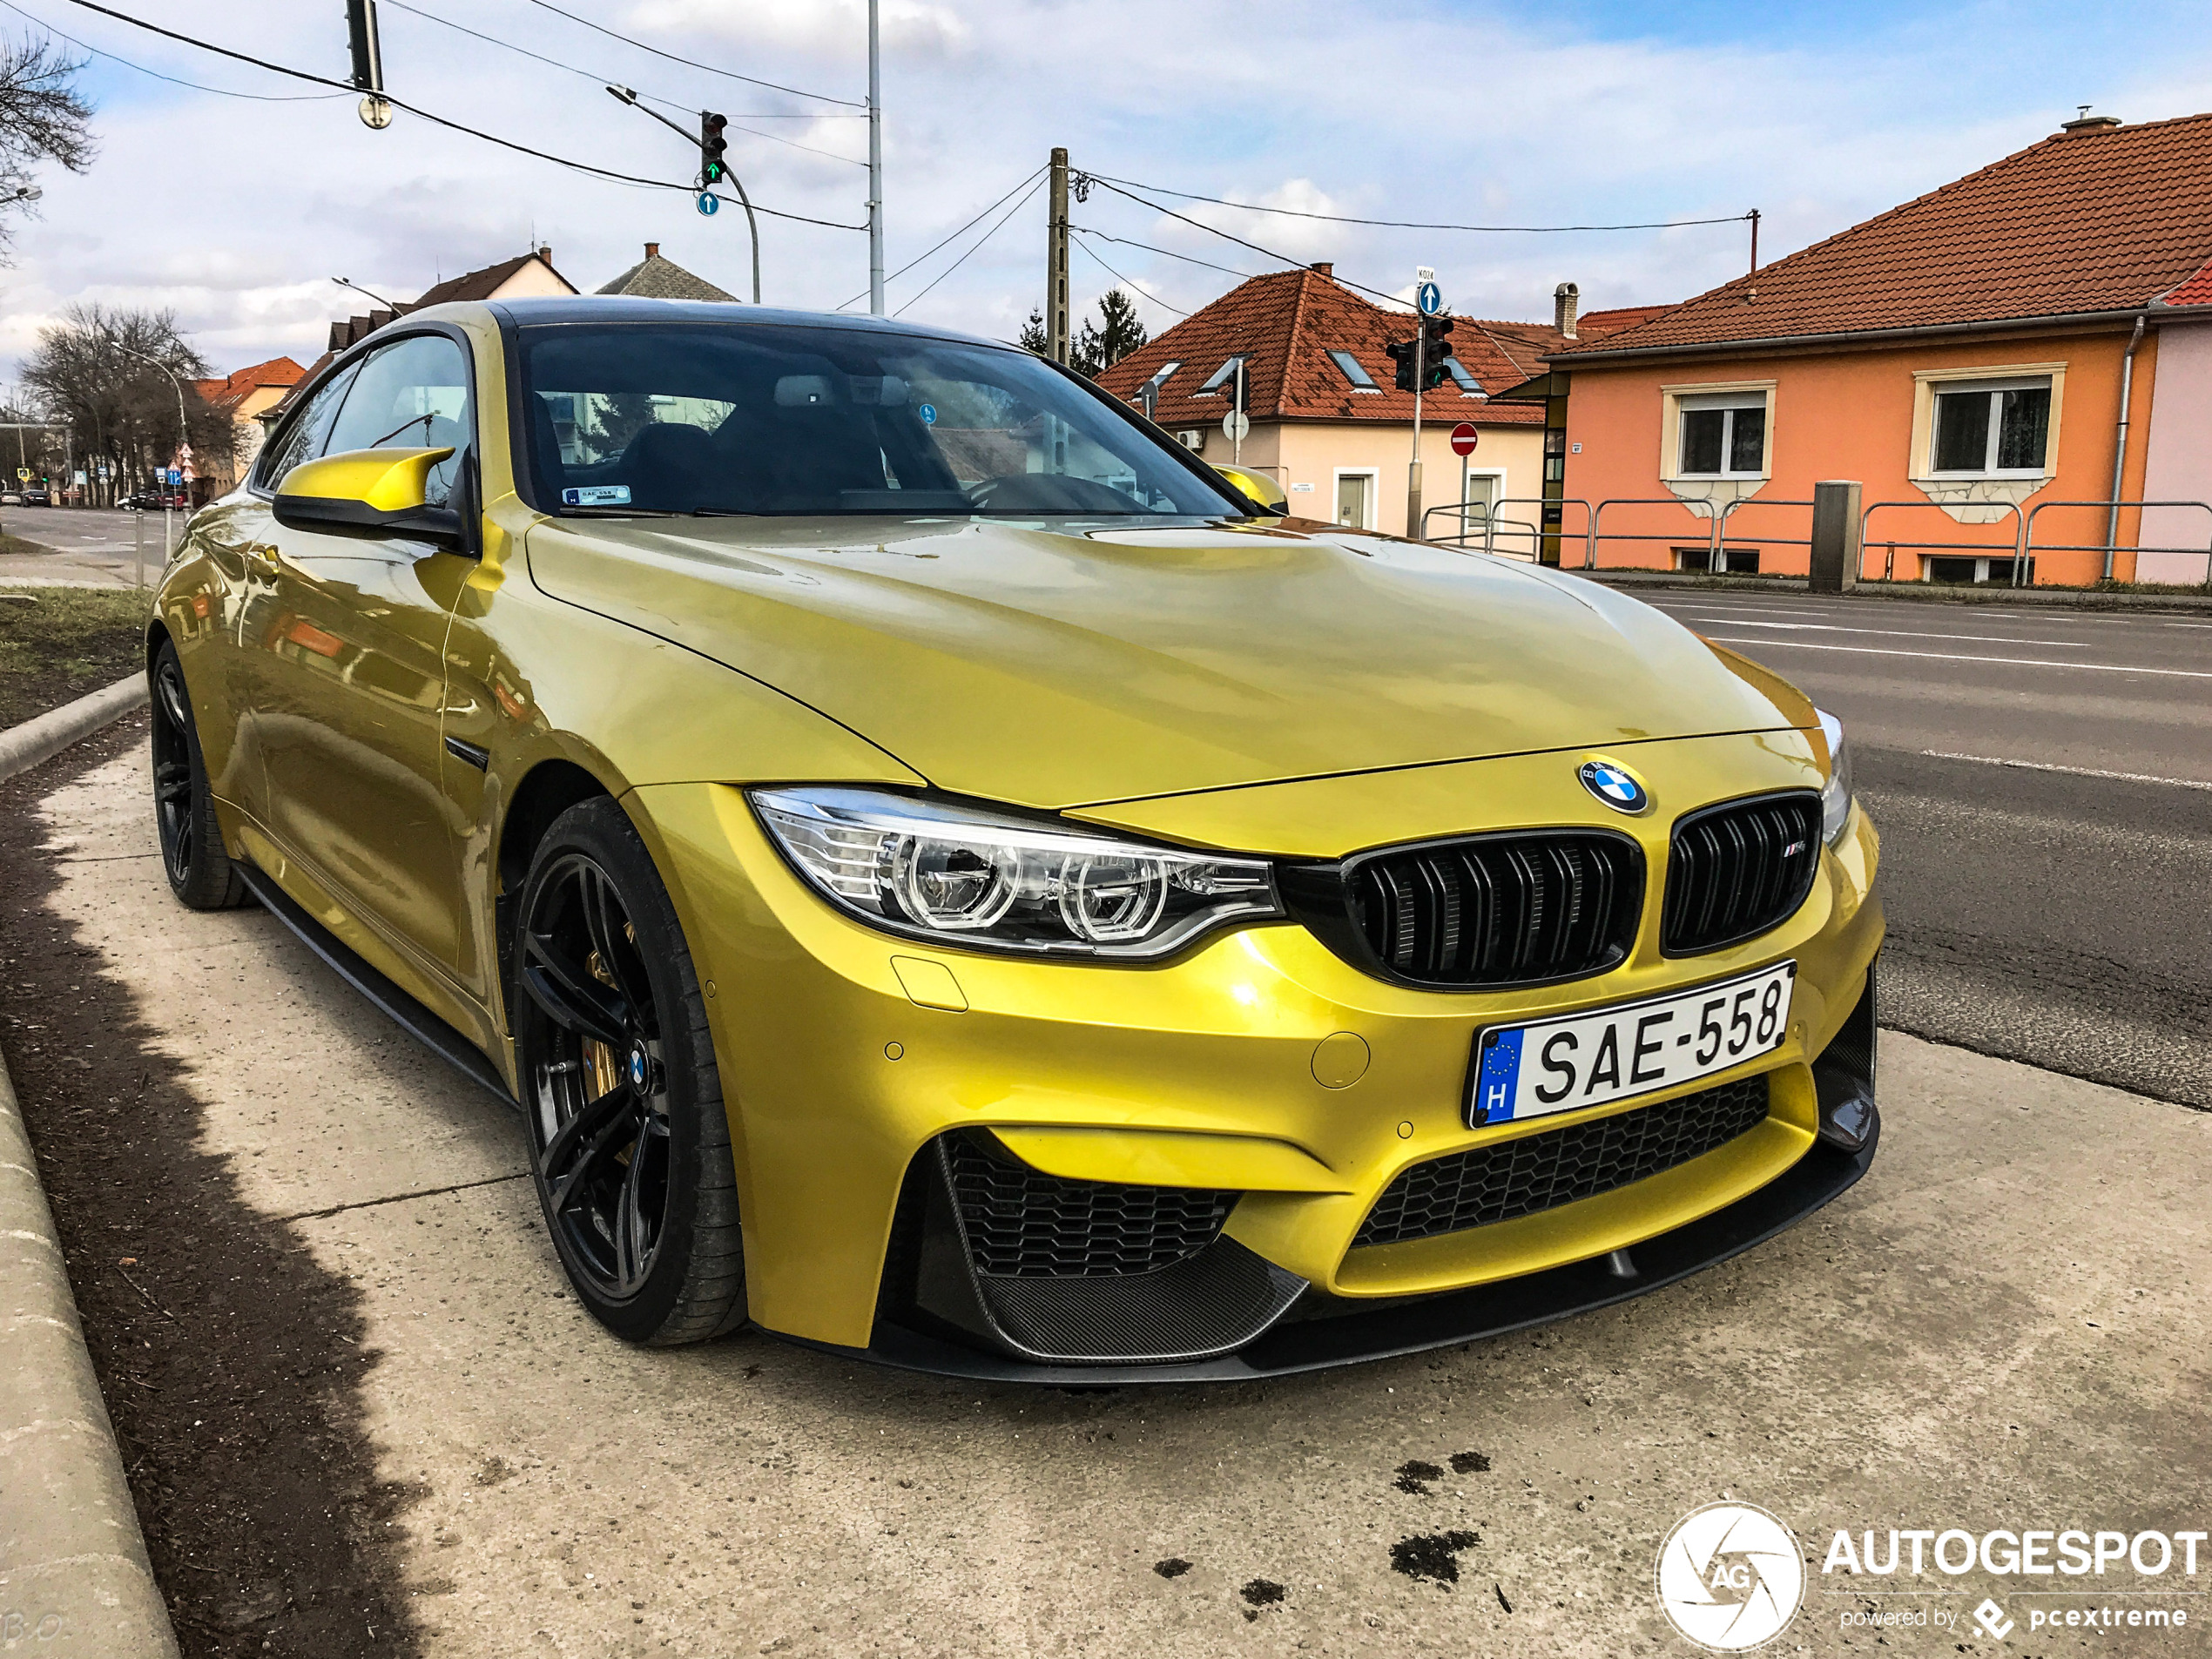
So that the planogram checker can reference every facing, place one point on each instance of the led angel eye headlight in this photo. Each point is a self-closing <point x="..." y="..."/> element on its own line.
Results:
<point x="994" y="880"/>
<point x="1835" y="794"/>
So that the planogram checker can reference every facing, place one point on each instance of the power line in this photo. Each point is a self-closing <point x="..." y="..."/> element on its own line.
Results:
<point x="919" y="257"/>
<point x="221" y="91"/>
<point x="1034" y="187"/>
<point x="1213" y="230"/>
<point x="440" y="120"/>
<point x="1409" y="224"/>
<point x="1125" y="281"/>
<point x="689" y="62"/>
<point x="1168" y="252"/>
<point x="597" y="79"/>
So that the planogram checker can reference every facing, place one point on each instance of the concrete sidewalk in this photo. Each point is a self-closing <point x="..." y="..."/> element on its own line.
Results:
<point x="2004" y="1326"/>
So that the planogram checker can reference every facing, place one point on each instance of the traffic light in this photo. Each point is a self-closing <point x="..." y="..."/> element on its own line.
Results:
<point x="1437" y="347"/>
<point x="712" y="146"/>
<point x="1402" y="352"/>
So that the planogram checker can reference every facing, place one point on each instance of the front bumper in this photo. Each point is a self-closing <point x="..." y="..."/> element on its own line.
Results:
<point x="1257" y="1062"/>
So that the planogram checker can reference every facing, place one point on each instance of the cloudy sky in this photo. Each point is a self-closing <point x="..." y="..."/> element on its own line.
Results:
<point x="235" y="212"/>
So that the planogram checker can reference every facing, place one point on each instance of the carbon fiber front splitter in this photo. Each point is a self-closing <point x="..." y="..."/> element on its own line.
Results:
<point x="1416" y="1324"/>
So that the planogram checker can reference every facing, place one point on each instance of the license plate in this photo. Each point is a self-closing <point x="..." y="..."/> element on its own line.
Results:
<point x="1631" y="1049"/>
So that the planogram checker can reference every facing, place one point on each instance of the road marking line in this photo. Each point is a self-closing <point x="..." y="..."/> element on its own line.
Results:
<point x="1960" y="657"/>
<point x="1908" y="633"/>
<point x="2071" y="771"/>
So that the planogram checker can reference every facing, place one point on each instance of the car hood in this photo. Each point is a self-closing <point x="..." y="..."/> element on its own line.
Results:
<point x="1065" y="663"/>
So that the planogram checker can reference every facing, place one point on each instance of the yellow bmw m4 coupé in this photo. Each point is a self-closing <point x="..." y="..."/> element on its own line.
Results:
<point x="949" y="879"/>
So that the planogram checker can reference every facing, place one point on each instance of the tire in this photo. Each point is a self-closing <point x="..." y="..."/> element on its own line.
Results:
<point x="630" y="1141"/>
<point x="200" y="873"/>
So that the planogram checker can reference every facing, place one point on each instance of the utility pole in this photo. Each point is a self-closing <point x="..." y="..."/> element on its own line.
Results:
<point x="876" y="164"/>
<point x="1421" y="276"/>
<point x="1055" y="263"/>
<point x="1236" y="443"/>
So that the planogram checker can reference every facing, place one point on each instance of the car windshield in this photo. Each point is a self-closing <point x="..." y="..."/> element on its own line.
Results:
<point x="780" y="419"/>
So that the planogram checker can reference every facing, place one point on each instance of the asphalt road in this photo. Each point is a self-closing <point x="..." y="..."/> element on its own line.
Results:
<point x="2042" y="780"/>
<point x="97" y="545"/>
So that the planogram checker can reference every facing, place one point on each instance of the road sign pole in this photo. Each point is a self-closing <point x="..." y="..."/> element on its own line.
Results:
<point x="1236" y="444"/>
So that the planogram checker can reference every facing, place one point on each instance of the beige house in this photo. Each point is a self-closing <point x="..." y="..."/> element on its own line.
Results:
<point x="1326" y="421"/>
<point x="246" y="396"/>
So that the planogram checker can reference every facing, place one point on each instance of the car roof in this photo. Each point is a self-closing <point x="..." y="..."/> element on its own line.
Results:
<point x="554" y="309"/>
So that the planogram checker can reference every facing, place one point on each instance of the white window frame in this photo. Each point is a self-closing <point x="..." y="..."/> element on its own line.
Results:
<point x="1684" y="403"/>
<point x="1992" y="390"/>
<point x="1374" y="476"/>
<point x="1927" y="382"/>
<point x="1672" y="398"/>
<point x="1225" y="378"/>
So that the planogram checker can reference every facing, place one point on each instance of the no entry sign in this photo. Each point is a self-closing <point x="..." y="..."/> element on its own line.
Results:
<point x="1463" y="436"/>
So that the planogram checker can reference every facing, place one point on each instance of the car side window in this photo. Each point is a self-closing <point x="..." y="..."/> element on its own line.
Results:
<point x="303" y="439"/>
<point x="412" y="395"/>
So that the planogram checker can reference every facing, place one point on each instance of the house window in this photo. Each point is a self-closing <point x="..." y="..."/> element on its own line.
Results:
<point x="1724" y="435"/>
<point x="1219" y="378"/>
<point x="1992" y="429"/>
<point x="1469" y="387"/>
<point x="1361" y="381"/>
<point x="1160" y="379"/>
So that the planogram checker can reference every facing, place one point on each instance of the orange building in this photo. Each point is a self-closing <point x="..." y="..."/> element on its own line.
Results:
<point x="1985" y="360"/>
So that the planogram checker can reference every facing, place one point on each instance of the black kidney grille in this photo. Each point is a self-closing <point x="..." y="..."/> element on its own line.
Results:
<point x="1737" y="869"/>
<point x="1543" y="1171"/>
<point x="1024" y="1224"/>
<point x="1500" y="909"/>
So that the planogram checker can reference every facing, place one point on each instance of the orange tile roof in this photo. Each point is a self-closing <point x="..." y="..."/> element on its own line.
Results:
<point x="276" y="371"/>
<point x="1286" y="323"/>
<point x="2102" y="217"/>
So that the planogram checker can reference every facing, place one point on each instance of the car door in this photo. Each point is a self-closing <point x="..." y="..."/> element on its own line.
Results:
<point x="226" y="680"/>
<point x="346" y="637"/>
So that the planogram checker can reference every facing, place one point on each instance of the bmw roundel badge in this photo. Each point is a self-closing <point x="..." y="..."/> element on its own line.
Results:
<point x="1613" y="786"/>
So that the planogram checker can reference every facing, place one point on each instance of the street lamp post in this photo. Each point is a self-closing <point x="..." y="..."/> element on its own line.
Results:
<point x="184" y="433"/>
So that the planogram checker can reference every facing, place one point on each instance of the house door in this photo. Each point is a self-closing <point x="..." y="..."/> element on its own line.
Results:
<point x="1352" y="489"/>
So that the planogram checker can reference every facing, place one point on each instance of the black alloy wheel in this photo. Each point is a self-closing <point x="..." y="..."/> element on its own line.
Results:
<point x="200" y="873"/>
<point x="630" y="1142"/>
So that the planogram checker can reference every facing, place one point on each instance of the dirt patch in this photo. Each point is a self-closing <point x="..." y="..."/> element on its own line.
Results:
<point x="64" y="642"/>
<point x="1414" y="1477"/>
<point x="231" y="1361"/>
<point x="1435" y="1556"/>
<point x="1174" y="1567"/>
<point x="1470" y="1463"/>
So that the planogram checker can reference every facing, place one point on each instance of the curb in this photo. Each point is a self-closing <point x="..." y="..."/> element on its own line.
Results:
<point x="74" y="1577"/>
<point x="1918" y="592"/>
<point x="25" y="746"/>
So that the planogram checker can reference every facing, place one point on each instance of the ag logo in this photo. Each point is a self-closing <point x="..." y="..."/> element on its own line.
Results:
<point x="1731" y="1577"/>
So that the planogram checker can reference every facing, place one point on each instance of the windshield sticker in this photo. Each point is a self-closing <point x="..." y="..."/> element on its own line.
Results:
<point x="929" y="414"/>
<point x="596" y="495"/>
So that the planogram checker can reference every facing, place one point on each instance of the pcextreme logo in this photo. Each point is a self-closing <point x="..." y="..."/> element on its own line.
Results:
<point x="1729" y="1577"/>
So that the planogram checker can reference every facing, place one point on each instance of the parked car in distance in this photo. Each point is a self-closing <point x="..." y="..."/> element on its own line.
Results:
<point x="1092" y="926"/>
<point x="11" y="498"/>
<point x="150" y="500"/>
<point x="34" y="497"/>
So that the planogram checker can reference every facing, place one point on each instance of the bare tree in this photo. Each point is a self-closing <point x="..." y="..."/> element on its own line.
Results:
<point x="43" y="119"/>
<point x="112" y="377"/>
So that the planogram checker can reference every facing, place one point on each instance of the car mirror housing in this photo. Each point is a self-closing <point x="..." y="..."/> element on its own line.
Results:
<point x="1258" y="489"/>
<point x="372" y="492"/>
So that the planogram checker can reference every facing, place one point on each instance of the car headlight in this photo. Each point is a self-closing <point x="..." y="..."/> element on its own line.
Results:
<point x="1835" y="794"/>
<point x="992" y="881"/>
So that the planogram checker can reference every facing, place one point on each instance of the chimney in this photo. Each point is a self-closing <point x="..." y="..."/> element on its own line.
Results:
<point x="545" y="253"/>
<point x="1565" y="298"/>
<point x="652" y="250"/>
<point x="1323" y="267"/>
<point x="2086" y="122"/>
